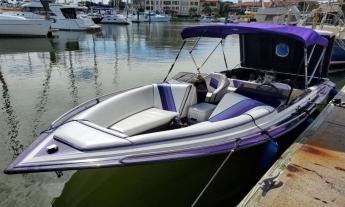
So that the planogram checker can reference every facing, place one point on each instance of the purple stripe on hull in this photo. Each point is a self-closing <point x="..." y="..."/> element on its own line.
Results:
<point x="236" y="110"/>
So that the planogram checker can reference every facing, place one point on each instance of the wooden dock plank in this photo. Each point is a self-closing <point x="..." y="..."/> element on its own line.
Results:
<point x="312" y="171"/>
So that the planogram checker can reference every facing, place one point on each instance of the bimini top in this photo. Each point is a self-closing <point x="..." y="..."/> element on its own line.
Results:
<point x="306" y="36"/>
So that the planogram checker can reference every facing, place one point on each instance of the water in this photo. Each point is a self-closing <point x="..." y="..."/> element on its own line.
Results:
<point x="42" y="78"/>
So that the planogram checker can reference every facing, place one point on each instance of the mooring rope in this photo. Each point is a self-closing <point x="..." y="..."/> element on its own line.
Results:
<point x="237" y="143"/>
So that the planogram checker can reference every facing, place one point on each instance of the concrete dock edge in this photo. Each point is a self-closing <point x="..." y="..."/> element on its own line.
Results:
<point x="311" y="172"/>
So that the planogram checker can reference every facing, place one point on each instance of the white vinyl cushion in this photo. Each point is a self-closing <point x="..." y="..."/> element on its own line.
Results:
<point x="260" y="111"/>
<point x="217" y="85"/>
<point x="84" y="137"/>
<point x="143" y="121"/>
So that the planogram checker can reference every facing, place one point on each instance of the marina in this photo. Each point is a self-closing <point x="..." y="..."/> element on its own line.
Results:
<point x="154" y="104"/>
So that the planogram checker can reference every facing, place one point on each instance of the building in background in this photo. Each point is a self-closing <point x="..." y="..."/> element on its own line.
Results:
<point x="209" y="7"/>
<point x="174" y="7"/>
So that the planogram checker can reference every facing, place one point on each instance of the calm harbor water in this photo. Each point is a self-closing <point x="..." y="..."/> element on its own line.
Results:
<point x="42" y="78"/>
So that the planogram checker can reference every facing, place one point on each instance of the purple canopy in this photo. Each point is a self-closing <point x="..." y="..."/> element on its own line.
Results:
<point x="306" y="36"/>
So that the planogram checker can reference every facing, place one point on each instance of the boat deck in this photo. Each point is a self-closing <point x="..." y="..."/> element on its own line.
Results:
<point x="312" y="171"/>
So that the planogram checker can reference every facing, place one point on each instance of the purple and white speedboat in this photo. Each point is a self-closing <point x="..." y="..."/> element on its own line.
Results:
<point x="279" y="83"/>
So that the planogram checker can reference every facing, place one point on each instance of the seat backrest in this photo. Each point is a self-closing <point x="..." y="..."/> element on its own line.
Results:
<point x="217" y="85"/>
<point x="120" y="106"/>
<point x="174" y="97"/>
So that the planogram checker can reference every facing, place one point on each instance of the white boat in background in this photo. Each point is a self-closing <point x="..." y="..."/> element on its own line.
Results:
<point x="152" y="17"/>
<point x="21" y="26"/>
<point x="114" y="19"/>
<point x="278" y="15"/>
<point x="205" y="19"/>
<point x="65" y="17"/>
<point x="148" y="17"/>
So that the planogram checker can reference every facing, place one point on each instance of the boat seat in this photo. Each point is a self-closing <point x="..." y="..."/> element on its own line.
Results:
<point x="85" y="135"/>
<point x="144" y="121"/>
<point x="217" y="85"/>
<point x="233" y="105"/>
<point x="169" y="101"/>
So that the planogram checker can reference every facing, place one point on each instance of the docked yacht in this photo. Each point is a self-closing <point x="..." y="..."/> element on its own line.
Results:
<point x="280" y="81"/>
<point x="20" y="26"/>
<point x="65" y="17"/>
<point x="153" y="17"/>
<point x="278" y="15"/>
<point x="114" y="19"/>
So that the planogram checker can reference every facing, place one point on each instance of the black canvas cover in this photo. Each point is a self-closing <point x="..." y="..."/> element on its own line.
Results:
<point x="259" y="51"/>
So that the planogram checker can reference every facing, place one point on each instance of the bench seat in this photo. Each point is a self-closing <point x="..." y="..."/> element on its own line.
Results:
<point x="144" y="121"/>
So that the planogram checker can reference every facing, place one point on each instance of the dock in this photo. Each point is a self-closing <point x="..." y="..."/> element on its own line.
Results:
<point x="312" y="170"/>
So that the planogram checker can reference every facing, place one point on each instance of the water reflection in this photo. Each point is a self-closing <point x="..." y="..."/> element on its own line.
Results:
<point x="11" y="119"/>
<point x="95" y="65"/>
<point x="41" y="106"/>
<point x="72" y="77"/>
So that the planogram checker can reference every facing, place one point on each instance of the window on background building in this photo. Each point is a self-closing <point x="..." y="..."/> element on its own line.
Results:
<point x="177" y="8"/>
<point x="196" y="3"/>
<point x="213" y="4"/>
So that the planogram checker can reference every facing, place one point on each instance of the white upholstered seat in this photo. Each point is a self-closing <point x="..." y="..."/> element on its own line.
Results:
<point x="143" y="121"/>
<point x="233" y="105"/>
<point x="217" y="85"/>
<point x="86" y="136"/>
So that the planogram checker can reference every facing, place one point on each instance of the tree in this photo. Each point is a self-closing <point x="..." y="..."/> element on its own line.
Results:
<point x="225" y="8"/>
<point x="193" y="11"/>
<point x="215" y="11"/>
<point x="206" y="9"/>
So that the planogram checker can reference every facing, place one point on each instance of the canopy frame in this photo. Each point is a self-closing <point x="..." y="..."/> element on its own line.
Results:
<point x="317" y="40"/>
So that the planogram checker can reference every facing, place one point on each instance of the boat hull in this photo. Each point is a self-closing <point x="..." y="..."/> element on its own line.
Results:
<point x="35" y="159"/>
<point x="24" y="28"/>
<point x="80" y="24"/>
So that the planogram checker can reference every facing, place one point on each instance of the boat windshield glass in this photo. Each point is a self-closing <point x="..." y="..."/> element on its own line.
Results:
<point x="69" y="13"/>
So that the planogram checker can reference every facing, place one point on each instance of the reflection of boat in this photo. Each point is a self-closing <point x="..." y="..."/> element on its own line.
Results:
<point x="195" y="115"/>
<point x="21" y="26"/>
<point x="65" y="16"/>
<point x="21" y="45"/>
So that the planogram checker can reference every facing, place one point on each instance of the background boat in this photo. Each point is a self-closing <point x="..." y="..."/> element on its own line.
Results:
<point x="21" y="26"/>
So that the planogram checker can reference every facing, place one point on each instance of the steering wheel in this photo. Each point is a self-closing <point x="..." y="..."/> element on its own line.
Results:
<point x="270" y="85"/>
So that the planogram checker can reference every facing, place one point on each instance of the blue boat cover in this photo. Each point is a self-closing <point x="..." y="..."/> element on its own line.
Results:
<point x="306" y="36"/>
